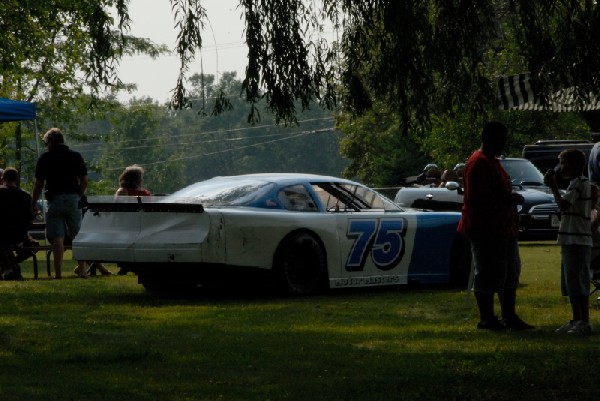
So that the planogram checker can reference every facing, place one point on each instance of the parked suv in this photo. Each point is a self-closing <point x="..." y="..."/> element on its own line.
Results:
<point x="538" y="216"/>
<point x="544" y="154"/>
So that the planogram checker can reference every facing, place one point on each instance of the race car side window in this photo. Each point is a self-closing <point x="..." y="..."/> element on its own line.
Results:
<point x="297" y="198"/>
<point x="344" y="197"/>
<point x="334" y="200"/>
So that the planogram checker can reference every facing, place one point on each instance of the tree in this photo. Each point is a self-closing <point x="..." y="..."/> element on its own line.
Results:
<point x="58" y="48"/>
<point x="426" y="60"/>
<point x="379" y="155"/>
<point x="398" y="52"/>
<point x="451" y="140"/>
<point x="56" y="51"/>
<point x="139" y="135"/>
<point x="560" y="43"/>
<point x="179" y="147"/>
<point x="445" y="119"/>
<point x="404" y="52"/>
<point x="225" y="144"/>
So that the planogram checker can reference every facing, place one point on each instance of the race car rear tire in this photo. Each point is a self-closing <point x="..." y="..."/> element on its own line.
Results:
<point x="300" y="265"/>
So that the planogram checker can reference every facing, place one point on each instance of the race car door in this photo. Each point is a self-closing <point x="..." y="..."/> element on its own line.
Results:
<point x="375" y="248"/>
<point x="374" y="245"/>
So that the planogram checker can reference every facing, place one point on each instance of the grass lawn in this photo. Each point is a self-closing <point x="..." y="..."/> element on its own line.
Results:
<point x="106" y="339"/>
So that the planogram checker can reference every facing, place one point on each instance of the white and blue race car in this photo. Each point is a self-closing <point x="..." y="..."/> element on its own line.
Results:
<point x="304" y="233"/>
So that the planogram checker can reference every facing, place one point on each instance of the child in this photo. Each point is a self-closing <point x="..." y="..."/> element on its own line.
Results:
<point x="575" y="237"/>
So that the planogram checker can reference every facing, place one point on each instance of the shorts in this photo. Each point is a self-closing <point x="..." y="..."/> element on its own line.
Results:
<point x="575" y="270"/>
<point x="63" y="218"/>
<point x="497" y="264"/>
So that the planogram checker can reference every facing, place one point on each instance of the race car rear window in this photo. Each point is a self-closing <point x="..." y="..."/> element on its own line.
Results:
<point x="222" y="193"/>
<point x="297" y="198"/>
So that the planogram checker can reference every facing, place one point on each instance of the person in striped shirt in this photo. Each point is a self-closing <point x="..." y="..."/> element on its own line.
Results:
<point x="575" y="236"/>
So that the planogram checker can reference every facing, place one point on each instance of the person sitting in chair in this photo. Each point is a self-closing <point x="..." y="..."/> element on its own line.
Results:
<point x="16" y="220"/>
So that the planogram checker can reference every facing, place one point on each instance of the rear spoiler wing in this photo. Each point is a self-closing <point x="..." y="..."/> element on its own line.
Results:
<point x="97" y="207"/>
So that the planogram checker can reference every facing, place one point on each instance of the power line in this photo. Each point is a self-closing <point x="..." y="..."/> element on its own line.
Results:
<point x="221" y="131"/>
<point x="174" y="144"/>
<point x="300" y="134"/>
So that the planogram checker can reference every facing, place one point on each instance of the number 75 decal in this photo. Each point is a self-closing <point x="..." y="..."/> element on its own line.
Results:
<point x="383" y="239"/>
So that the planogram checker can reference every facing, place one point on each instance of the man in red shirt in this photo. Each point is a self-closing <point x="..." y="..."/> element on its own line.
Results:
<point x="490" y="221"/>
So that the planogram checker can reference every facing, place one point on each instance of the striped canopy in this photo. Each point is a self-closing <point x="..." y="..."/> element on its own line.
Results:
<point x="515" y="93"/>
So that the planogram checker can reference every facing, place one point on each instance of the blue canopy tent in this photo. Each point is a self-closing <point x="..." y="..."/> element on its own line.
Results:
<point x="15" y="110"/>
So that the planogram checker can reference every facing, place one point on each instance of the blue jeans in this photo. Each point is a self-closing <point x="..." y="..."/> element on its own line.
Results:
<point x="63" y="217"/>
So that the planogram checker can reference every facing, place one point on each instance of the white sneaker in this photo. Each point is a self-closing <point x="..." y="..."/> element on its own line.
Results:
<point x="566" y="327"/>
<point x="581" y="328"/>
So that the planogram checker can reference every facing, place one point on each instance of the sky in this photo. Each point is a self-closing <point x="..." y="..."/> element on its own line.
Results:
<point x="223" y="50"/>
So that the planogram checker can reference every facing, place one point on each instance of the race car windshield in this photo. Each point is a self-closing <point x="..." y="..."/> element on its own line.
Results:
<point x="222" y="192"/>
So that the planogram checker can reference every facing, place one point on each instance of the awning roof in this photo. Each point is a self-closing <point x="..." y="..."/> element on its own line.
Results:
<point x="15" y="110"/>
<point x="515" y="93"/>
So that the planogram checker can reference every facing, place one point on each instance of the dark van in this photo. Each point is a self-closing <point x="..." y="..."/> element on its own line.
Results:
<point x="544" y="154"/>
